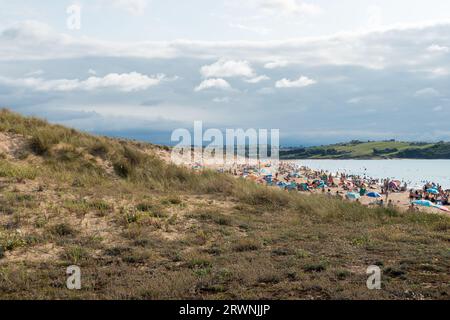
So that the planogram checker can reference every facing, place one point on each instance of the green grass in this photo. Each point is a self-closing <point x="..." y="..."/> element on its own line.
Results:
<point x="21" y="171"/>
<point x="372" y="150"/>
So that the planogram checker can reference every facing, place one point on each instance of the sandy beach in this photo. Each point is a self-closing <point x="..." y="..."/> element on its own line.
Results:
<point x="290" y="176"/>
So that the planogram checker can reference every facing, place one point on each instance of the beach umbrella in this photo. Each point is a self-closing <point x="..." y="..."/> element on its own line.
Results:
<point x="423" y="203"/>
<point x="374" y="195"/>
<point x="433" y="191"/>
<point x="442" y="208"/>
<point x="353" y="195"/>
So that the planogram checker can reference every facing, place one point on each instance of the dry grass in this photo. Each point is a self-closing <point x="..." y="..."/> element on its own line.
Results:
<point x="144" y="229"/>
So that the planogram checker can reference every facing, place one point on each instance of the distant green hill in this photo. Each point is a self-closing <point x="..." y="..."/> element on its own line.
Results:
<point x="372" y="150"/>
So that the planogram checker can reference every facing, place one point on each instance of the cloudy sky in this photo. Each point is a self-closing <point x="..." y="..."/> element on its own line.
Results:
<point x="321" y="71"/>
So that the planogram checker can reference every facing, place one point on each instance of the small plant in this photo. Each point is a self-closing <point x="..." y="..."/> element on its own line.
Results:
<point x="315" y="267"/>
<point x="11" y="240"/>
<point x="62" y="230"/>
<point x="117" y="251"/>
<point x="101" y="207"/>
<point x="342" y="274"/>
<point x="131" y="217"/>
<point x="199" y="262"/>
<point x="75" y="254"/>
<point x="172" y="200"/>
<point x="145" y="206"/>
<point x="99" y="149"/>
<point x="122" y="168"/>
<point x="246" y="245"/>
<point x="301" y="254"/>
<point x="361" y="241"/>
<point x="151" y="210"/>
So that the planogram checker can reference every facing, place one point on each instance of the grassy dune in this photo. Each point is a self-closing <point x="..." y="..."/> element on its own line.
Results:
<point x="141" y="228"/>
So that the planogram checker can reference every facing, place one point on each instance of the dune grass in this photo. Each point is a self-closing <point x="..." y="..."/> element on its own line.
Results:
<point x="141" y="228"/>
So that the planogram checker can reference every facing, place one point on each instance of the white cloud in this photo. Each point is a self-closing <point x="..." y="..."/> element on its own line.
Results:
<point x="289" y="7"/>
<point x="266" y="91"/>
<point x="35" y="73"/>
<point x="375" y="17"/>
<point x="355" y="100"/>
<point x="276" y="64"/>
<point x="299" y="83"/>
<point x="221" y="100"/>
<point x="438" y="108"/>
<point x="258" y="30"/>
<point x="92" y="72"/>
<point x="375" y="50"/>
<point x="257" y="79"/>
<point x="438" y="49"/>
<point x="227" y="68"/>
<point x="427" y="93"/>
<point x="135" y="7"/>
<point x="440" y="72"/>
<point x="126" y="82"/>
<point x="213" y="84"/>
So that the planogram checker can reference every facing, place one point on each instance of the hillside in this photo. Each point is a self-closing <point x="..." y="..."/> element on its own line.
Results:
<point x="372" y="150"/>
<point x="141" y="228"/>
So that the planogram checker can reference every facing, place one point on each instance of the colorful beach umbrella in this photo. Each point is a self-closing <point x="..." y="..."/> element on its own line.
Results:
<point x="433" y="191"/>
<point x="423" y="203"/>
<point x="374" y="195"/>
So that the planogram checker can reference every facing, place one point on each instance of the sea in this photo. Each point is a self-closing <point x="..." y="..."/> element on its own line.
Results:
<point x="414" y="172"/>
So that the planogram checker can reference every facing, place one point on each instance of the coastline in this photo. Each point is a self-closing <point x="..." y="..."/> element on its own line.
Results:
<point x="398" y="199"/>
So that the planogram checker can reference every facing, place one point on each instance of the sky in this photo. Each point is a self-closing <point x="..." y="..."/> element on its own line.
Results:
<point x="321" y="71"/>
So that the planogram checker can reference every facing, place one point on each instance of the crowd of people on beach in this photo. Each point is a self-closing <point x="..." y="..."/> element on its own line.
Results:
<point x="292" y="177"/>
<point x="431" y="192"/>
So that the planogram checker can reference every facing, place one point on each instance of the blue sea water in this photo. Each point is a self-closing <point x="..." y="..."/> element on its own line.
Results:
<point x="414" y="172"/>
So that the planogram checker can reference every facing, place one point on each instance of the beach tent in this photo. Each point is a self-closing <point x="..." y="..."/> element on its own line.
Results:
<point x="373" y="195"/>
<point x="282" y="184"/>
<point x="353" y="195"/>
<point x="423" y="203"/>
<point x="394" y="185"/>
<point x="433" y="191"/>
<point x="292" y="186"/>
